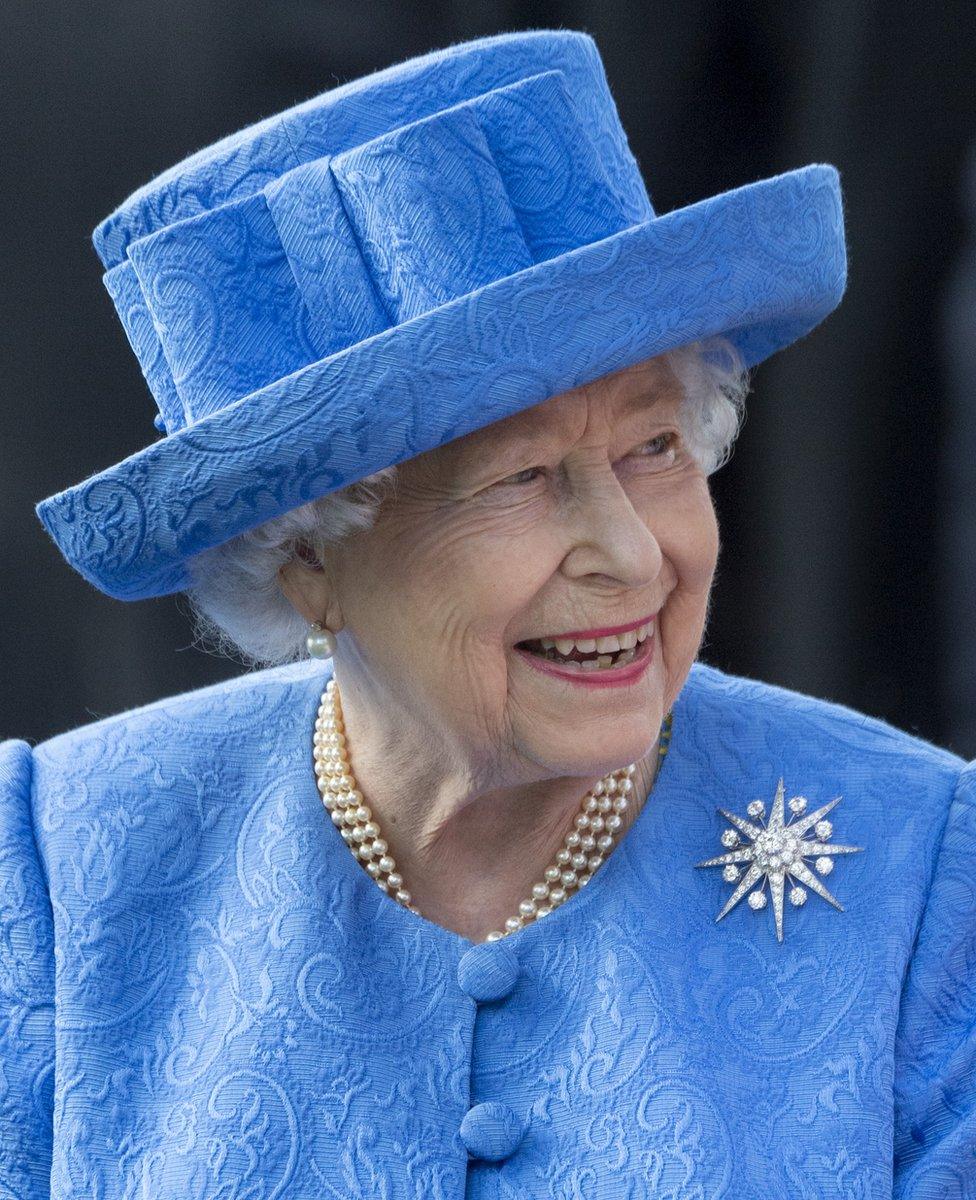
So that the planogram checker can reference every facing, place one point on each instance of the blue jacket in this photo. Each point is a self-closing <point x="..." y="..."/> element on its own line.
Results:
<point x="204" y="996"/>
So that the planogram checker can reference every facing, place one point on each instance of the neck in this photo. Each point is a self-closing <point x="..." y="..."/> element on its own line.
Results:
<point x="469" y="852"/>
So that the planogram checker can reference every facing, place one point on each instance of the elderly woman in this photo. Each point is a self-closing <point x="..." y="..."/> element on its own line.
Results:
<point x="482" y="885"/>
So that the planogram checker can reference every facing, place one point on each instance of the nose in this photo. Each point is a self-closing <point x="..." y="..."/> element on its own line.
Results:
<point x="608" y="536"/>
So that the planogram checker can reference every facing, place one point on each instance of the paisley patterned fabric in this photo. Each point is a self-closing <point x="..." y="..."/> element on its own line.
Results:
<point x="203" y="994"/>
<point x="402" y="260"/>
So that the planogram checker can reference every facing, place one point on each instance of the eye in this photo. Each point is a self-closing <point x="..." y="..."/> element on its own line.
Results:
<point x="518" y="477"/>
<point x="664" y="447"/>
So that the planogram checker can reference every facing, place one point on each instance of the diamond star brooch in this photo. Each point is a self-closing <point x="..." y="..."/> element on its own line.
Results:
<point x="776" y="851"/>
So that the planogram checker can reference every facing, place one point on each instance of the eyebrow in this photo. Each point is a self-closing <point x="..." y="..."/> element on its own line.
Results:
<point x="511" y="445"/>
<point x="644" y="400"/>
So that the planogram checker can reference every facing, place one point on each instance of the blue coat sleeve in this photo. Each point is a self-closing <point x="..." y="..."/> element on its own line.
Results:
<point x="26" y="988"/>
<point x="935" y="1042"/>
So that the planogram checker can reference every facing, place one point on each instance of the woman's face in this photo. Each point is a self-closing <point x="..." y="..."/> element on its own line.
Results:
<point x="584" y="512"/>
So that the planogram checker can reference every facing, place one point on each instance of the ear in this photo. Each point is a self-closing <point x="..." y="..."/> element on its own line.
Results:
<point x="308" y="587"/>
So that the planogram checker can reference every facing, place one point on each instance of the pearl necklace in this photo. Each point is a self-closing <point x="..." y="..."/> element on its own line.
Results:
<point x="585" y="847"/>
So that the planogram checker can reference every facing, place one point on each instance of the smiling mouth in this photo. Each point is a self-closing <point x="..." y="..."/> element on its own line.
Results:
<point x="594" y="654"/>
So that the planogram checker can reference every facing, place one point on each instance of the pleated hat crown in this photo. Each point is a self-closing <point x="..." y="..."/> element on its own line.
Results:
<point x="402" y="260"/>
<point x="364" y="208"/>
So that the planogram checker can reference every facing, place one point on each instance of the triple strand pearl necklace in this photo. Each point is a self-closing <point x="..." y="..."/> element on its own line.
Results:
<point x="585" y="847"/>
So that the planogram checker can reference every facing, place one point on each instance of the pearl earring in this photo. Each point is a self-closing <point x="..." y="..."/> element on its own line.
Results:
<point x="321" y="642"/>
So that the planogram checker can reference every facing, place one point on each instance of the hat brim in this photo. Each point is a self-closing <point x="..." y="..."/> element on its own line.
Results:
<point x="762" y="264"/>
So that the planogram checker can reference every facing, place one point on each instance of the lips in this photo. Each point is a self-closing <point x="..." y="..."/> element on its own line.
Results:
<point x="595" y="670"/>
<point x="602" y="631"/>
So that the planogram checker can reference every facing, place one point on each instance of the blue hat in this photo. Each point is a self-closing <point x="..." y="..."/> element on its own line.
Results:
<point x="397" y="262"/>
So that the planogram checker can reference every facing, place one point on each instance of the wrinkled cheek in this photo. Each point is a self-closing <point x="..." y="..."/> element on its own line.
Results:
<point x="686" y="608"/>
<point x="489" y="700"/>
<point x="476" y="676"/>
<point x="695" y="554"/>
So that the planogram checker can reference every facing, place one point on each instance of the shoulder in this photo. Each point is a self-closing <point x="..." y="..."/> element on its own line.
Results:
<point x="161" y="778"/>
<point x="230" y="706"/>
<point x="750" y="708"/>
<point x="175" y="746"/>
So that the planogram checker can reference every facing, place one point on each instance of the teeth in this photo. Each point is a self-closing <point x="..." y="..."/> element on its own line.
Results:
<point x="597" y="664"/>
<point x="610" y="652"/>
<point x="602" y="645"/>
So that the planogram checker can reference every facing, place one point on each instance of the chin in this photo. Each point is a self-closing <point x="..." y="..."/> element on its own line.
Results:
<point x="597" y="748"/>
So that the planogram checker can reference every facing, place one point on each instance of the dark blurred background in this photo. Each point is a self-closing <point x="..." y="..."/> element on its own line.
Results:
<point x="849" y="509"/>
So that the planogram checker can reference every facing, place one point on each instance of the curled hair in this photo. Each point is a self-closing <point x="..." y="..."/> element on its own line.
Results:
<point x="237" y="604"/>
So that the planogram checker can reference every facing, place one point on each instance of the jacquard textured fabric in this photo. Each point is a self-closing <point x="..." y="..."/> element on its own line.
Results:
<point x="398" y="262"/>
<point x="204" y="995"/>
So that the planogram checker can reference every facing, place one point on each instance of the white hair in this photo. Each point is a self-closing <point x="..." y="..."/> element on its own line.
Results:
<point x="237" y="604"/>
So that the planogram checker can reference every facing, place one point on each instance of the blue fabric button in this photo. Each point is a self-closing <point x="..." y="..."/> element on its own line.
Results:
<point x="488" y="971"/>
<point x="492" y="1130"/>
